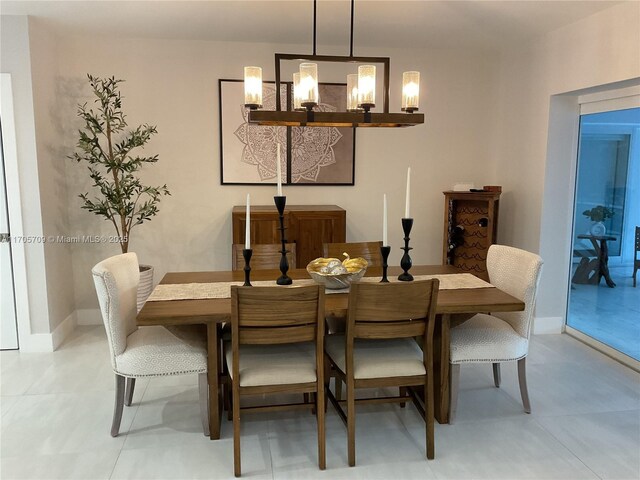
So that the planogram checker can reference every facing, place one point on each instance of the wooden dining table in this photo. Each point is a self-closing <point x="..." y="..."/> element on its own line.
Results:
<point x="453" y="305"/>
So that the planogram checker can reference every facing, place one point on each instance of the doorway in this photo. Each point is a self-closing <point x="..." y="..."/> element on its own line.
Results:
<point x="603" y="303"/>
<point x="8" y="319"/>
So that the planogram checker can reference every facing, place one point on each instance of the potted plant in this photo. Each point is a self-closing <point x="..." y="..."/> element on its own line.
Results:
<point x="598" y="215"/>
<point x="106" y="146"/>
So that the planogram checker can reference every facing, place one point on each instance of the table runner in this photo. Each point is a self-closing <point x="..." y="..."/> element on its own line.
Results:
<point x="203" y="291"/>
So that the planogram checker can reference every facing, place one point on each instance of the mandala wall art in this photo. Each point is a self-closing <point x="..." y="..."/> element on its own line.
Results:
<point x="309" y="155"/>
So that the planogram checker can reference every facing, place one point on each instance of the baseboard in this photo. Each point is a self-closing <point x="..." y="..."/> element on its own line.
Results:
<point x="36" y="343"/>
<point x="48" y="342"/>
<point x="89" y="316"/>
<point x="547" y="325"/>
<point x="63" y="330"/>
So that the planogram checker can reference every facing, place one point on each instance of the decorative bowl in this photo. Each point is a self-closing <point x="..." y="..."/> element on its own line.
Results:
<point x="334" y="274"/>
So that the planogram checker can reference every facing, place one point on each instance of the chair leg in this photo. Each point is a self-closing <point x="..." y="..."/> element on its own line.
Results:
<point x="203" y="393"/>
<point x="236" y="431"/>
<point x="320" y="410"/>
<point x="128" y="392"/>
<point x="119" y="404"/>
<point x="226" y="398"/>
<point x="403" y="393"/>
<point x="522" y="379"/>
<point x="351" y="424"/>
<point x="496" y="375"/>
<point x="327" y="379"/>
<point x="635" y="271"/>
<point x="338" y="388"/>
<point x="454" y="381"/>
<point x="429" y="399"/>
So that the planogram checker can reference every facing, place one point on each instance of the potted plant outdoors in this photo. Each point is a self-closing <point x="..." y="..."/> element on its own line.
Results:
<point x="598" y="215"/>
<point x="120" y="196"/>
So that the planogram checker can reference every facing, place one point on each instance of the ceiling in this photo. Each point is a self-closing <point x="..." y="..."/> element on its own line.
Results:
<point x="488" y="25"/>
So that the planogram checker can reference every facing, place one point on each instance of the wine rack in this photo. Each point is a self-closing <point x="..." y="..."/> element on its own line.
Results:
<point x="470" y="228"/>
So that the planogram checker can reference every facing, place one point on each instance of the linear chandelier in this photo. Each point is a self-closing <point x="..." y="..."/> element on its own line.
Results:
<point x="361" y="92"/>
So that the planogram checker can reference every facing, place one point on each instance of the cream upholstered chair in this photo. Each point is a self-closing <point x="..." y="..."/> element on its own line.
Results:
<point x="146" y="351"/>
<point x="501" y="336"/>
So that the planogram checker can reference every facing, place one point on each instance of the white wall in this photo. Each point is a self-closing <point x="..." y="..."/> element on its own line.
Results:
<point x="15" y="60"/>
<point x="48" y="95"/>
<point x="173" y="84"/>
<point x="535" y="147"/>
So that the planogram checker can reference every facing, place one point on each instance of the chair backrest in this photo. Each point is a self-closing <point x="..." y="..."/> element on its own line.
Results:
<point x="370" y="251"/>
<point x="265" y="256"/>
<point x="276" y="315"/>
<point x="516" y="272"/>
<point x="391" y="310"/>
<point x="637" y="243"/>
<point x="116" y="280"/>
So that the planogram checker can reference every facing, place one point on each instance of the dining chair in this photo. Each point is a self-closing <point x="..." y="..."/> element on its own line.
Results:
<point x="379" y="349"/>
<point x="146" y="351"/>
<point x="265" y="256"/>
<point x="636" y="260"/>
<point x="370" y="251"/>
<point x="276" y="347"/>
<point x="500" y="336"/>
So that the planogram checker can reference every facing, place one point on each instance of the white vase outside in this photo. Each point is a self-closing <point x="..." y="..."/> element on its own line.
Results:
<point x="145" y="286"/>
<point x="598" y="229"/>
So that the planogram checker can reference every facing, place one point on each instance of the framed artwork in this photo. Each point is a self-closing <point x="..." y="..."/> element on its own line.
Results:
<point x="309" y="155"/>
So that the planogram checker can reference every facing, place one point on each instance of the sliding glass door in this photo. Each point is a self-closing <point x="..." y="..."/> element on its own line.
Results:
<point x="603" y="303"/>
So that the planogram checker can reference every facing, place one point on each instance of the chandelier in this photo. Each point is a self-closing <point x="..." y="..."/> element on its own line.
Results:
<point x="361" y="92"/>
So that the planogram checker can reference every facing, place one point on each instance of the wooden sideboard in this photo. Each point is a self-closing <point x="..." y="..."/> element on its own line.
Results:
<point x="308" y="226"/>
<point x="476" y="215"/>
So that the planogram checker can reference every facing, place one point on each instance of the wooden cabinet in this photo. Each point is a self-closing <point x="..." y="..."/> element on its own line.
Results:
<point x="308" y="226"/>
<point x="470" y="228"/>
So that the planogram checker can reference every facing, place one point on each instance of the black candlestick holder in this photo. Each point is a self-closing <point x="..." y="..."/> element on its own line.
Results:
<point x="246" y="253"/>
<point x="384" y="251"/>
<point x="284" y="279"/>
<point x="405" y="262"/>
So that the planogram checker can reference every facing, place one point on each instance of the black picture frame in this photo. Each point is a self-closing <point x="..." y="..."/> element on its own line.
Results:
<point x="235" y="130"/>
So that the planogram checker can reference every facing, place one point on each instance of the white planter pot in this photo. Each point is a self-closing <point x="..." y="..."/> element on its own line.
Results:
<point x="598" y="229"/>
<point x="146" y="284"/>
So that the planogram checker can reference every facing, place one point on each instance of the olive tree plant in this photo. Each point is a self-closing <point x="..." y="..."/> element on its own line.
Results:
<point x="106" y="146"/>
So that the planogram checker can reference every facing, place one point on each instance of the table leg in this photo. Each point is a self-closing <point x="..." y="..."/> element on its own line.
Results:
<point x="441" y="368"/>
<point x="213" y="368"/>
<point x="603" y="270"/>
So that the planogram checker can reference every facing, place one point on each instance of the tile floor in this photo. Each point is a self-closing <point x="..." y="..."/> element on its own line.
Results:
<point x="56" y="414"/>
<point x="610" y="315"/>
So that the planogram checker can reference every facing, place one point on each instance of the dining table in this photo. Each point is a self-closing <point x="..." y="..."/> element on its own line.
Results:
<point x="454" y="306"/>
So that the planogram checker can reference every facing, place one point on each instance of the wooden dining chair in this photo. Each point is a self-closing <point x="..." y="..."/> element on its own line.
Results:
<point x="379" y="349"/>
<point x="265" y="256"/>
<point x="370" y="251"/>
<point x="276" y="347"/>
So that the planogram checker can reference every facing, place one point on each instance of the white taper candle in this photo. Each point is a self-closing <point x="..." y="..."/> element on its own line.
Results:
<point x="247" y="232"/>
<point x="407" y="209"/>
<point x="384" y="221"/>
<point x="279" y="172"/>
